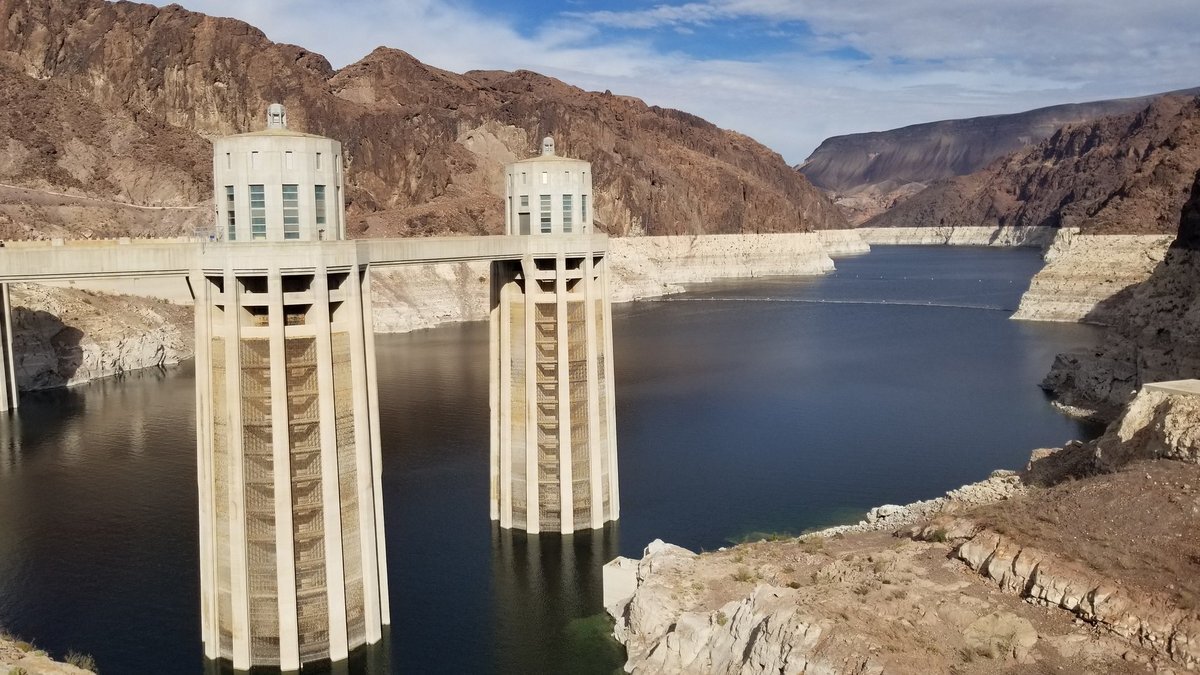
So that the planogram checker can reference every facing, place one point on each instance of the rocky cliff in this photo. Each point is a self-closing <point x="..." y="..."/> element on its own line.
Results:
<point x="424" y="147"/>
<point x="1089" y="278"/>
<point x="1154" y="334"/>
<point x="1021" y="573"/>
<point x="1127" y="174"/>
<point x="67" y="336"/>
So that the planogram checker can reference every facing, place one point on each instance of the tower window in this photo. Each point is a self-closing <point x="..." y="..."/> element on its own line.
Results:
<point x="228" y="160"/>
<point x="525" y="200"/>
<point x="545" y="178"/>
<point x="230" y="214"/>
<point x="319" y="203"/>
<point x="253" y="159"/>
<point x="545" y="215"/>
<point x="566" y="213"/>
<point x="291" y="212"/>
<point x="318" y="161"/>
<point x="258" y="212"/>
<point x="287" y="159"/>
<point x="524" y="178"/>
<point x="583" y="209"/>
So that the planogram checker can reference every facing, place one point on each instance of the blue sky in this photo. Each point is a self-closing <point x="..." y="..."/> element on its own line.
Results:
<point x="787" y="72"/>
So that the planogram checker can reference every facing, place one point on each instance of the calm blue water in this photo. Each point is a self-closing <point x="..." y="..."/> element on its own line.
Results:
<point x="761" y="406"/>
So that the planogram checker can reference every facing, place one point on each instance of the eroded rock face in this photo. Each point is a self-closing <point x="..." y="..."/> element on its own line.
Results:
<point x="64" y="336"/>
<point x="1044" y="578"/>
<point x="1154" y="334"/>
<point x="1155" y="425"/>
<point x="1088" y="278"/>
<point x="423" y="147"/>
<point x="851" y="600"/>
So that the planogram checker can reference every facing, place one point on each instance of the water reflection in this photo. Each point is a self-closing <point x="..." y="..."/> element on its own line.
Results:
<point x="370" y="659"/>
<point x="548" y="588"/>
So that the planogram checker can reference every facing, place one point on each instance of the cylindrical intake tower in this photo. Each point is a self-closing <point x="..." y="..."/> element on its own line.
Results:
<point x="553" y="451"/>
<point x="278" y="185"/>
<point x="292" y="555"/>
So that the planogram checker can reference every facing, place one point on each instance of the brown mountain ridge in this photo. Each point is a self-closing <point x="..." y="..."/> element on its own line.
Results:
<point x="424" y="147"/>
<point x="1126" y="174"/>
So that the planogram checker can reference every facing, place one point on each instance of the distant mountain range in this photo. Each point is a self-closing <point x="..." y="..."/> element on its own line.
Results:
<point x="107" y="106"/>
<point x="1124" y="174"/>
<point x="923" y="153"/>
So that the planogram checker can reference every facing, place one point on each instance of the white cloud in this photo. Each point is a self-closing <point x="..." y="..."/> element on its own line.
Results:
<point x="926" y="59"/>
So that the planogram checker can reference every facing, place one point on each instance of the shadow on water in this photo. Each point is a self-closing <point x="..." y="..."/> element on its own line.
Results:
<point x="547" y="587"/>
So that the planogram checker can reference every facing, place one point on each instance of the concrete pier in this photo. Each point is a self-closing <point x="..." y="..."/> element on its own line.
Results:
<point x="9" y="398"/>
<point x="292" y="565"/>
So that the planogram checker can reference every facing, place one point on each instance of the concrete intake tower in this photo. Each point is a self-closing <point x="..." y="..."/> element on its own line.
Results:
<point x="292" y="557"/>
<point x="553" y="450"/>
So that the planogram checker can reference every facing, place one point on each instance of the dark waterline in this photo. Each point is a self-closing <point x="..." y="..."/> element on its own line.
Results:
<point x="758" y="406"/>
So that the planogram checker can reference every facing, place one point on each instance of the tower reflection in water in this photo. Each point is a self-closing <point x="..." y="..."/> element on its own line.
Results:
<point x="548" y="601"/>
<point x="372" y="659"/>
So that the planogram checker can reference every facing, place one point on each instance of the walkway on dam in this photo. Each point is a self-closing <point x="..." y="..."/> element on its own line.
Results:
<point x="60" y="261"/>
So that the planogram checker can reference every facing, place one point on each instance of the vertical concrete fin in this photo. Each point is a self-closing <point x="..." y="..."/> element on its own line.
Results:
<point x="335" y="574"/>
<point x="238" y="557"/>
<point x="566" y="479"/>
<point x="281" y="444"/>
<point x="9" y="396"/>
<point x="202" y="292"/>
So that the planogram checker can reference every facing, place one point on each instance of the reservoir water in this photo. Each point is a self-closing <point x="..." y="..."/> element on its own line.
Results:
<point x="761" y="406"/>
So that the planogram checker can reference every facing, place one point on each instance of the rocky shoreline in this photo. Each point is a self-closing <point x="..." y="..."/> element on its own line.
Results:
<point x="969" y="582"/>
<point x="958" y="236"/>
<point x="24" y="658"/>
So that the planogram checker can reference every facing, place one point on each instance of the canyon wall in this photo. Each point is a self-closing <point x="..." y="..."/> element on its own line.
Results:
<point x="1127" y="174"/>
<point x="1154" y="336"/>
<point x="1088" y="278"/>
<point x="114" y="102"/>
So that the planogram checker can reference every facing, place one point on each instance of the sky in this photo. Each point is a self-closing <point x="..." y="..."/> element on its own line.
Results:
<point x="789" y="73"/>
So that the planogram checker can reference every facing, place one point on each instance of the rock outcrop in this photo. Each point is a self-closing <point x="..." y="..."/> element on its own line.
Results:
<point x="424" y="147"/>
<point x="1088" y="278"/>
<point x="63" y="337"/>
<point x="19" y="656"/>
<point x="1155" y="335"/>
